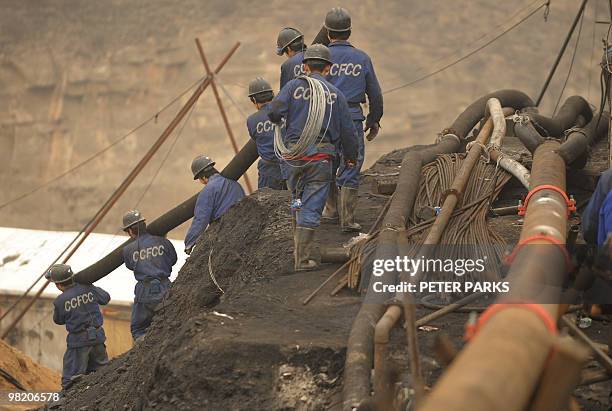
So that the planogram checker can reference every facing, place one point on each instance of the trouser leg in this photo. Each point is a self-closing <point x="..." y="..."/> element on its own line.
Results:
<point x="310" y="184"/>
<point x="142" y="316"/>
<point x="74" y="363"/>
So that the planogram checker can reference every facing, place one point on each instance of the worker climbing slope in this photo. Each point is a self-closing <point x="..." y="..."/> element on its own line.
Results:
<point x="290" y="42"/>
<point x="151" y="258"/>
<point x="318" y="126"/>
<point x="353" y="74"/>
<point x="78" y="307"/>
<point x="217" y="196"/>
<point x="261" y="129"/>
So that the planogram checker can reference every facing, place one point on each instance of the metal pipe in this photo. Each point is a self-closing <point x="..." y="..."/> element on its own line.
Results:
<point x="561" y="52"/>
<point x="504" y="362"/>
<point x="561" y="376"/>
<point x="174" y="217"/>
<point x="575" y="146"/>
<point x="526" y="132"/>
<point x="226" y="122"/>
<point x="169" y="220"/>
<point x="448" y="309"/>
<point x="334" y="254"/>
<point x="519" y="171"/>
<point x="459" y="183"/>
<point x="358" y="364"/>
<point x="124" y="185"/>
<point x="381" y="335"/>
<point x="381" y="340"/>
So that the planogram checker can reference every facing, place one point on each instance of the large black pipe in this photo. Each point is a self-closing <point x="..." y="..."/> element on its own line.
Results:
<point x="170" y="220"/>
<point x="475" y="111"/>
<point x="574" y="150"/>
<point x="358" y="366"/>
<point x="574" y="111"/>
<point x="528" y="135"/>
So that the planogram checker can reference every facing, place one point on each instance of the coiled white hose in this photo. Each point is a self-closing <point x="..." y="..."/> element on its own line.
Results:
<point x="313" y="125"/>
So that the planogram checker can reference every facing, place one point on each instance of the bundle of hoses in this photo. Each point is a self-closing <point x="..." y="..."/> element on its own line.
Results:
<point x="312" y="127"/>
<point x="468" y="235"/>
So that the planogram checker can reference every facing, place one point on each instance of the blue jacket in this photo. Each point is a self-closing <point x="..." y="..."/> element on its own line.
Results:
<point x="151" y="259"/>
<point x="213" y="201"/>
<point x="261" y="129"/>
<point x="79" y="308"/>
<point x="597" y="217"/>
<point x="292" y="104"/>
<point x="353" y="73"/>
<point x="291" y="68"/>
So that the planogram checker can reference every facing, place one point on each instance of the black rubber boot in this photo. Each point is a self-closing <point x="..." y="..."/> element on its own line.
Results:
<point x="303" y="239"/>
<point x="348" y="203"/>
<point x="330" y="212"/>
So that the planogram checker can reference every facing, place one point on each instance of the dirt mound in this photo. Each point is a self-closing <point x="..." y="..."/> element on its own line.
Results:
<point x="246" y="347"/>
<point x="31" y="375"/>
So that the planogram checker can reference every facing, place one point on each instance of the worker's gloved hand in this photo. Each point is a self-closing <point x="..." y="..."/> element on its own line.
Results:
<point x="189" y="250"/>
<point x="373" y="128"/>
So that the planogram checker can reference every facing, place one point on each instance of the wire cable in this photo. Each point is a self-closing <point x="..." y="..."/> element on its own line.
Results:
<point x="472" y="52"/>
<point x="569" y="71"/>
<point x="104" y="150"/>
<point x="313" y="125"/>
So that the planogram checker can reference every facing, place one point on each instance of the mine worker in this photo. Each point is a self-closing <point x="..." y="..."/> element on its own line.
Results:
<point x="353" y="74"/>
<point x="78" y="307"/>
<point x="314" y="132"/>
<point x="217" y="196"/>
<point x="290" y="42"/>
<point x="151" y="258"/>
<point x="597" y="231"/>
<point x="261" y="129"/>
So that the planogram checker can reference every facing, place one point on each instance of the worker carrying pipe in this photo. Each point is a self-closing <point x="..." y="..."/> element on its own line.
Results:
<point x="218" y="195"/>
<point x="78" y="307"/>
<point x="151" y="258"/>
<point x="318" y="125"/>
<point x="290" y="43"/>
<point x="261" y="130"/>
<point x="352" y="72"/>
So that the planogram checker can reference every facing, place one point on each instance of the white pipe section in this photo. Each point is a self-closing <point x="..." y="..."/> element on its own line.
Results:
<point x="494" y="109"/>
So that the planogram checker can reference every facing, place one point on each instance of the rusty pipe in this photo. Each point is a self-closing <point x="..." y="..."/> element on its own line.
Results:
<point x="382" y="375"/>
<point x="501" y="366"/>
<point x="358" y="364"/>
<point x="224" y="117"/>
<point x="381" y="334"/>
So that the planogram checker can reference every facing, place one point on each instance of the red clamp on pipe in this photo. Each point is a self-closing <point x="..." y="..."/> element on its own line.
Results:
<point x="471" y="330"/>
<point x="568" y="260"/>
<point x="570" y="202"/>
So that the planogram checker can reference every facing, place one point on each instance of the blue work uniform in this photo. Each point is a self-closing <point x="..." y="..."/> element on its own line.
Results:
<point x="353" y="74"/>
<point x="78" y="307"/>
<point x="597" y="216"/>
<point x="309" y="176"/>
<point x="213" y="201"/>
<point x="151" y="258"/>
<point x="292" y="68"/>
<point x="261" y="129"/>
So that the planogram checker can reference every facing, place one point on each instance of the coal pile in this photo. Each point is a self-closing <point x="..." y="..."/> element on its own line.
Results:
<point x="191" y="357"/>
